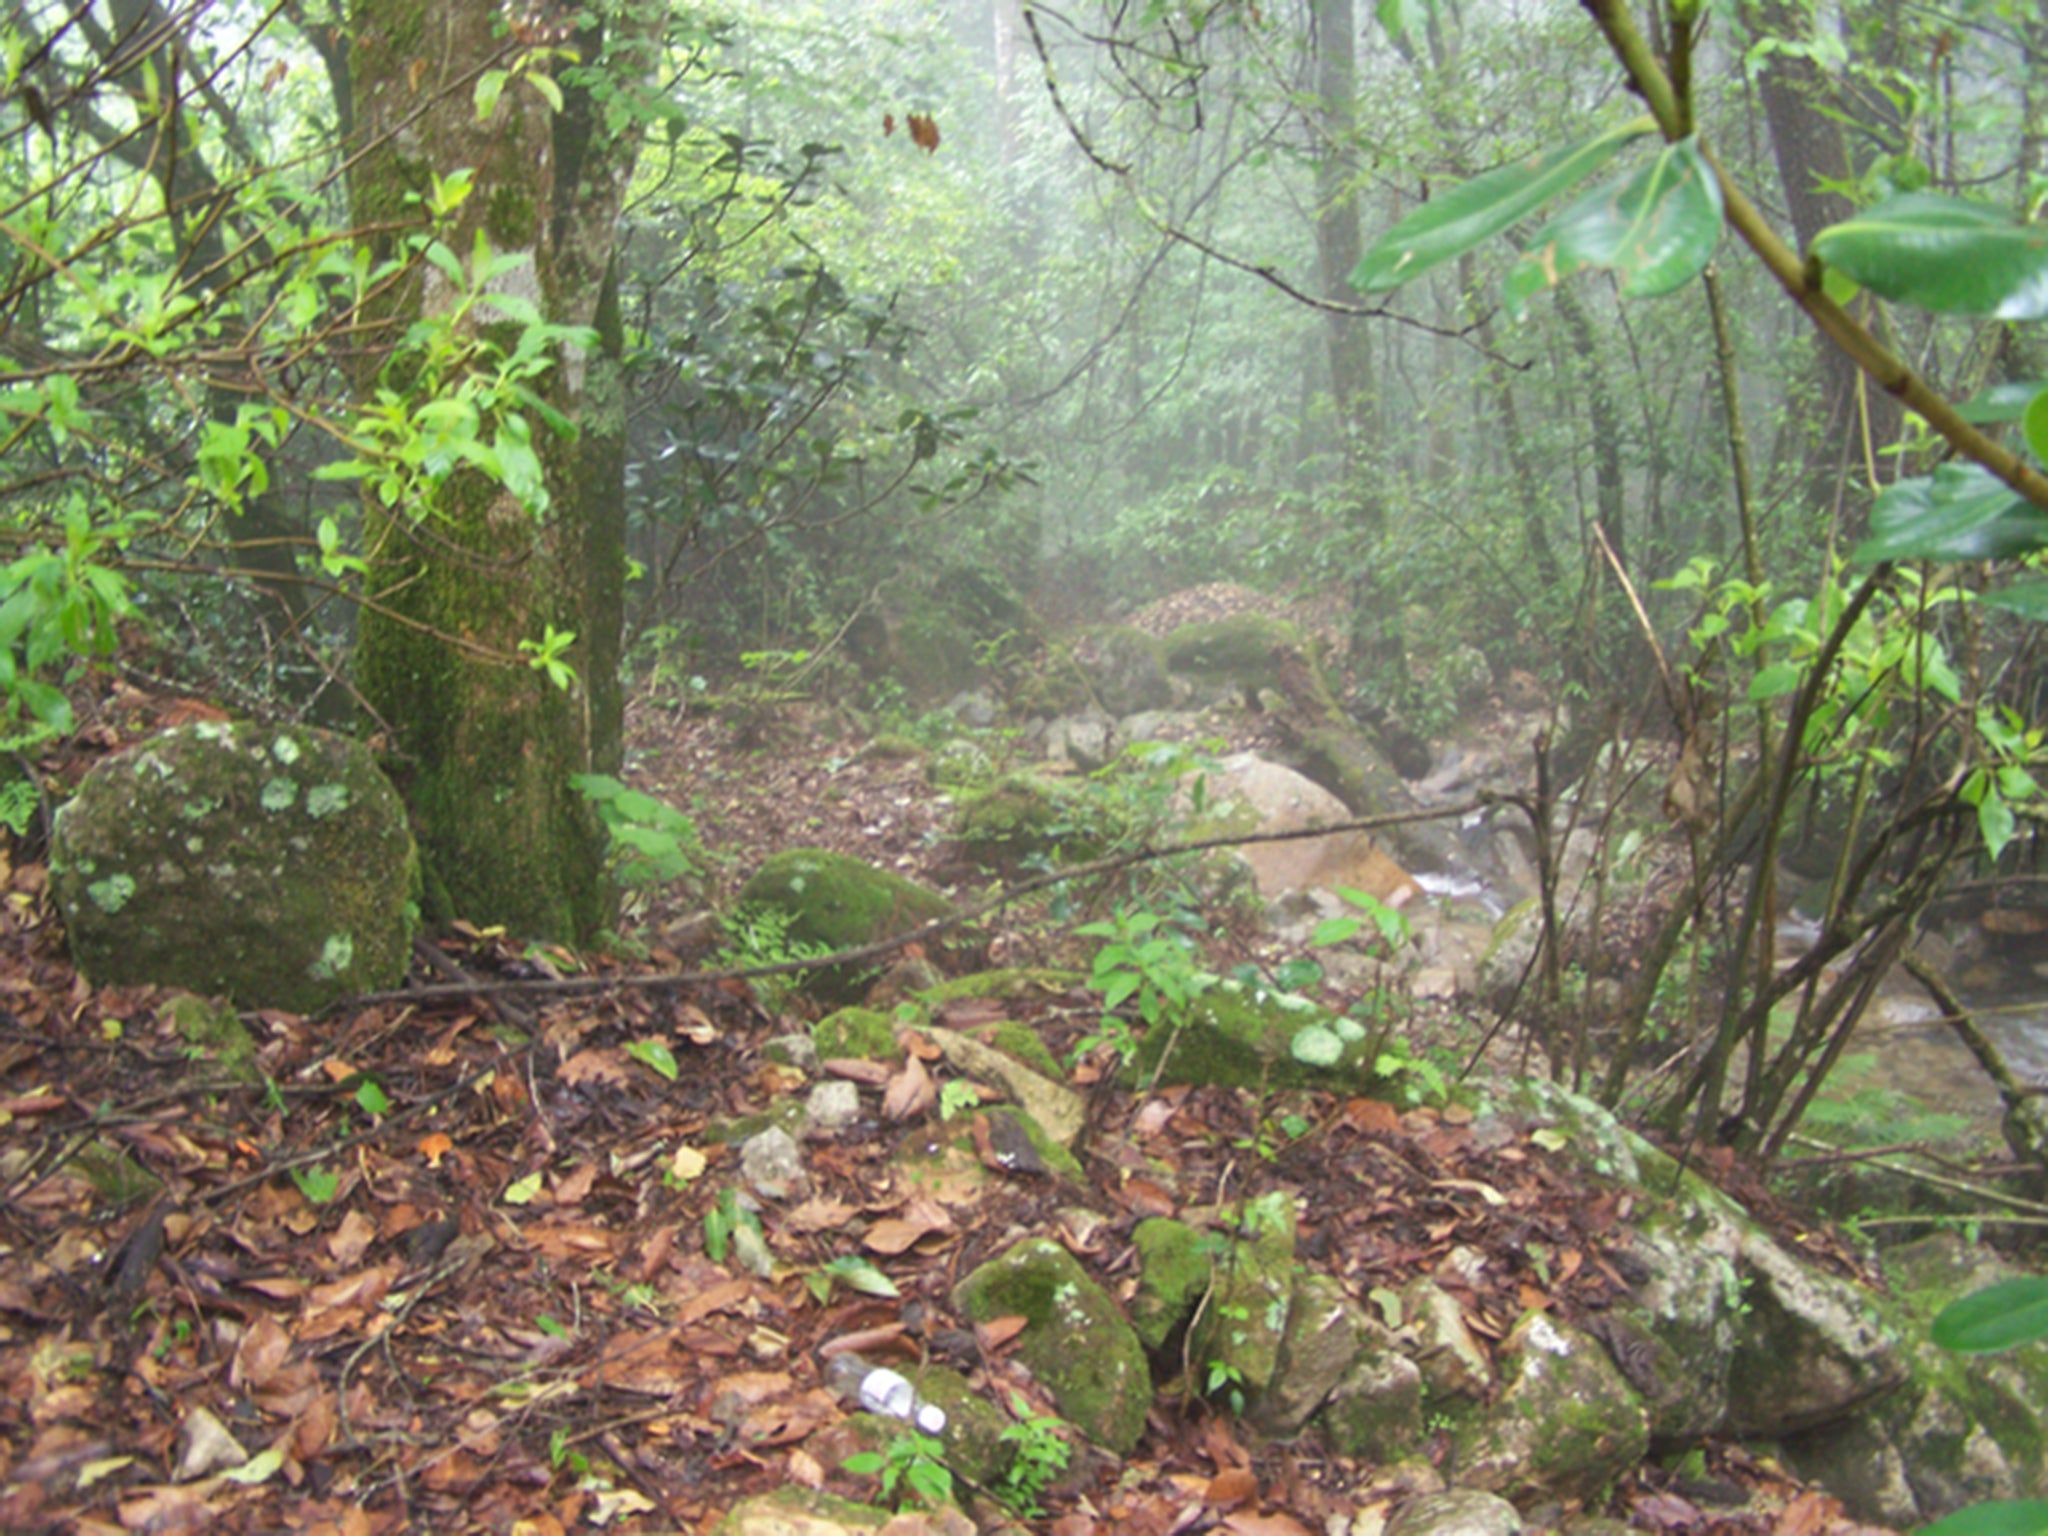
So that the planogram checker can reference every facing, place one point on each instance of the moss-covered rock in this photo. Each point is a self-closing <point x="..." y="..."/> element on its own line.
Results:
<point x="1125" y="668"/>
<point x="1022" y="818"/>
<point x="1244" y="650"/>
<point x="1175" y="1264"/>
<point x="840" y="903"/>
<point x="1239" y="1036"/>
<point x="1326" y="1333"/>
<point x="1961" y="1429"/>
<point x="1565" y="1422"/>
<point x="271" y="864"/>
<point x="1375" y="1411"/>
<point x="1236" y="1339"/>
<point x="860" y="1034"/>
<point x="1051" y="1105"/>
<point x="217" y="1032"/>
<point x="794" y="1511"/>
<point x="1075" y="1340"/>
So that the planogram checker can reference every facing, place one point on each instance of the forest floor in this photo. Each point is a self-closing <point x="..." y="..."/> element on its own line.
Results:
<point x="444" y="1268"/>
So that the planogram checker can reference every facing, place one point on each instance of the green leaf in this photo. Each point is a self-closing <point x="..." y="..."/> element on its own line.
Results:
<point x="371" y="1099"/>
<point x="1997" y="1318"/>
<point x="2035" y="425"/>
<point x="655" y="1054"/>
<point x="1481" y="208"/>
<point x="523" y="1191"/>
<point x="318" y="1184"/>
<point x="1960" y="512"/>
<point x="1995" y="822"/>
<point x="1403" y="20"/>
<point x="861" y="1275"/>
<point x="2009" y="1517"/>
<point x="2000" y="403"/>
<point x="2028" y="599"/>
<point x="1656" y="231"/>
<point x="260" y="1468"/>
<point x="1945" y="254"/>
<point x="1774" y="681"/>
<point x="490" y="85"/>
<point x="550" y="92"/>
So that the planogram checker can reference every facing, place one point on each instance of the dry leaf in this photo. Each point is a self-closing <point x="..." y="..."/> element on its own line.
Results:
<point x="574" y="1187"/>
<point x="1232" y="1486"/>
<point x="262" y="1351"/>
<point x="1265" y="1525"/>
<point x="1373" y="1117"/>
<point x="594" y="1066"/>
<point x="998" y="1331"/>
<point x="911" y="1092"/>
<point x="857" y="1069"/>
<point x="351" y="1240"/>
<point x="819" y="1214"/>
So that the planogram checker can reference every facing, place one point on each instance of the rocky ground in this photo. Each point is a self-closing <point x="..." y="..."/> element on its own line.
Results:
<point x="460" y="1258"/>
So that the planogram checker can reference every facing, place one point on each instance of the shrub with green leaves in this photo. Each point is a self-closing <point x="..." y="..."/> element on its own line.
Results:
<point x="652" y="842"/>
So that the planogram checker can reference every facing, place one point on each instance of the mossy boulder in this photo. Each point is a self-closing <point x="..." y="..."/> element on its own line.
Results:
<point x="1326" y="1334"/>
<point x="839" y="902"/>
<point x="1564" y="1425"/>
<point x="1961" y="1429"/>
<point x="1245" y="651"/>
<point x="1240" y="1036"/>
<point x="269" y="864"/>
<point x="1022" y="818"/>
<point x="1125" y="668"/>
<point x="794" y="1511"/>
<point x="1075" y="1340"/>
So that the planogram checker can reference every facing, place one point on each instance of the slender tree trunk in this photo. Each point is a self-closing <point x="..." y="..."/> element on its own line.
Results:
<point x="487" y="744"/>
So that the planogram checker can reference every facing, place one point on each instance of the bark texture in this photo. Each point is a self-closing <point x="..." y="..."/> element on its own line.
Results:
<point x="485" y="745"/>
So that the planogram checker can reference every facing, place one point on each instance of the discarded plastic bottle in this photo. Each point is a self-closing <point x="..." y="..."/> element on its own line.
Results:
<point x="881" y="1390"/>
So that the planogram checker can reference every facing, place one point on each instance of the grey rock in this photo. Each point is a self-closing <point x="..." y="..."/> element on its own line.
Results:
<point x="1375" y="1410"/>
<point x="1450" y="1359"/>
<point x="832" y="1107"/>
<point x="1564" y="1423"/>
<point x="973" y="709"/>
<point x="1456" y="1512"/>
<point x="1326" y="1333"/>
<point x="1060" y="1112"/>
<point x="1080" y="740"/>
<point x="773" y="1164"/>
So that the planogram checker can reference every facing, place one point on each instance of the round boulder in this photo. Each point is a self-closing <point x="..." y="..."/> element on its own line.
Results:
<point x="272" y="864"/>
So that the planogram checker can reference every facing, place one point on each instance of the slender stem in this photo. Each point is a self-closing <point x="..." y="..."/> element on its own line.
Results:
<point x="1801" y="280"/>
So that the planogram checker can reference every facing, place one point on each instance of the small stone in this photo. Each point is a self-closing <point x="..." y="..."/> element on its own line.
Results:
<point x="832" y="1107"/>
<point x="1434" y="983"/>
<point x="1456" y="1512"/>
<point x="773" y="1164"/>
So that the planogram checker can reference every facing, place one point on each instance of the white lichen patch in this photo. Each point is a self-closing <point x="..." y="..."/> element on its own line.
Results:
<point x="279" y="794"/>
<point x="111" y="894"/>
<point x="323" y="800"/>
<point x="335" y="956"/>
<point x="1540" y="1335"/>
<point x="285" y="750"/>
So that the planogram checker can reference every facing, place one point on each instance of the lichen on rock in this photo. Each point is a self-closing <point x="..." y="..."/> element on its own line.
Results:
<point x="272" y="865"/>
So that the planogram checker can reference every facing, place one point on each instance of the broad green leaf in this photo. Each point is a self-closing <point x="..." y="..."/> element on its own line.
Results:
<point x="862" y="1276"/>
<point x="1481" y="208"/>
<point x="2035" y="425"/>
<point x="523" y="1191"/>
<point x="2000" y="403"/>
<point x="489" y="86"/>
<point x="654" y="1054"/>
<point x="1403" y="20"/>
<point x="2009" y="1517"/>
<point x="1945" y="254"/>
<point x="1997" y="1318"/>
<point x="1996" y="824"/>
<point x="1960" y="512"/>
<point x="2028" y="599"/>
<point x="550" y="92"/>
<point x="1774" y="682"/>
<point x="1656" y="231"/>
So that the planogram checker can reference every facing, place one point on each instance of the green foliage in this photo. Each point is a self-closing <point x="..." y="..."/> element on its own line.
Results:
<point x="1141" y="962"/>
<point x="852" y="1271"/>
<point x="652" y="842"/>
<point x="726" y="1217"/>
<point x="318" y="1183"/>
<point x="912" y="1467"/>
<point x="758" y="935"/>
<point x="1039" y="1454"/>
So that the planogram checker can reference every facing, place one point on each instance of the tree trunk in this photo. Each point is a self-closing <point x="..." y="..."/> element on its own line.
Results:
<point x="486" y="743"/>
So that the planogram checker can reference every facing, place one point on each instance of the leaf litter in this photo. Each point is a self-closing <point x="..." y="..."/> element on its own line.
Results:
<point x="288" y="1305"/>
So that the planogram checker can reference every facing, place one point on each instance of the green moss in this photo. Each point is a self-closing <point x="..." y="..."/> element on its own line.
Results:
<point x="1175" y="1263"/>
<point x="1075" y="1340"/>
<point x="1013" y="981"/>
<point x="858" y="1034"/>
<point x="114" y="1174"/>
<point x="216" y="1031"/>
<point x="1240" y="1037"/>
<point x="1244" y="650"/>
<point x="839" y="902"/>
<point x="888" y="747"/>
<point x="1021" y="1044"/>
<point x="1056" y="1158"/>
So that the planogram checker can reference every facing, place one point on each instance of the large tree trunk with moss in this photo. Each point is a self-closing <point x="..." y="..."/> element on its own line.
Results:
<point x="485" y="744"/>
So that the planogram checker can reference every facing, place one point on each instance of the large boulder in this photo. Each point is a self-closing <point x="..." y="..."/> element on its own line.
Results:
<point x="1961" y="1429"/>
<point x="272" y="864"/>
<point x="835" y="902"/>
<point x="1124" y="668"/>
<point x="1277" y="799"/>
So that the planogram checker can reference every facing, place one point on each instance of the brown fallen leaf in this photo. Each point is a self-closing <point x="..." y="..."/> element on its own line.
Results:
<point x="911" y="1092"/>
<point x="573" y="1188"/>
<point x="819" y="1214"/>
<point x="998" y="1331"/>
<point x="594" y="1067"/>
<point x="1373" y="1117"/>
<point x="1230" y="1487"/>
<point x="260" y="1354"/>
<point x="351" y="1240"/>
<point x="857" y="1069"/>
<point x="1265" y="1525"/>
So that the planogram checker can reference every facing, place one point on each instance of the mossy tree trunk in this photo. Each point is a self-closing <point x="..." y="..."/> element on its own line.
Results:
<point x="485" y="744"/>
